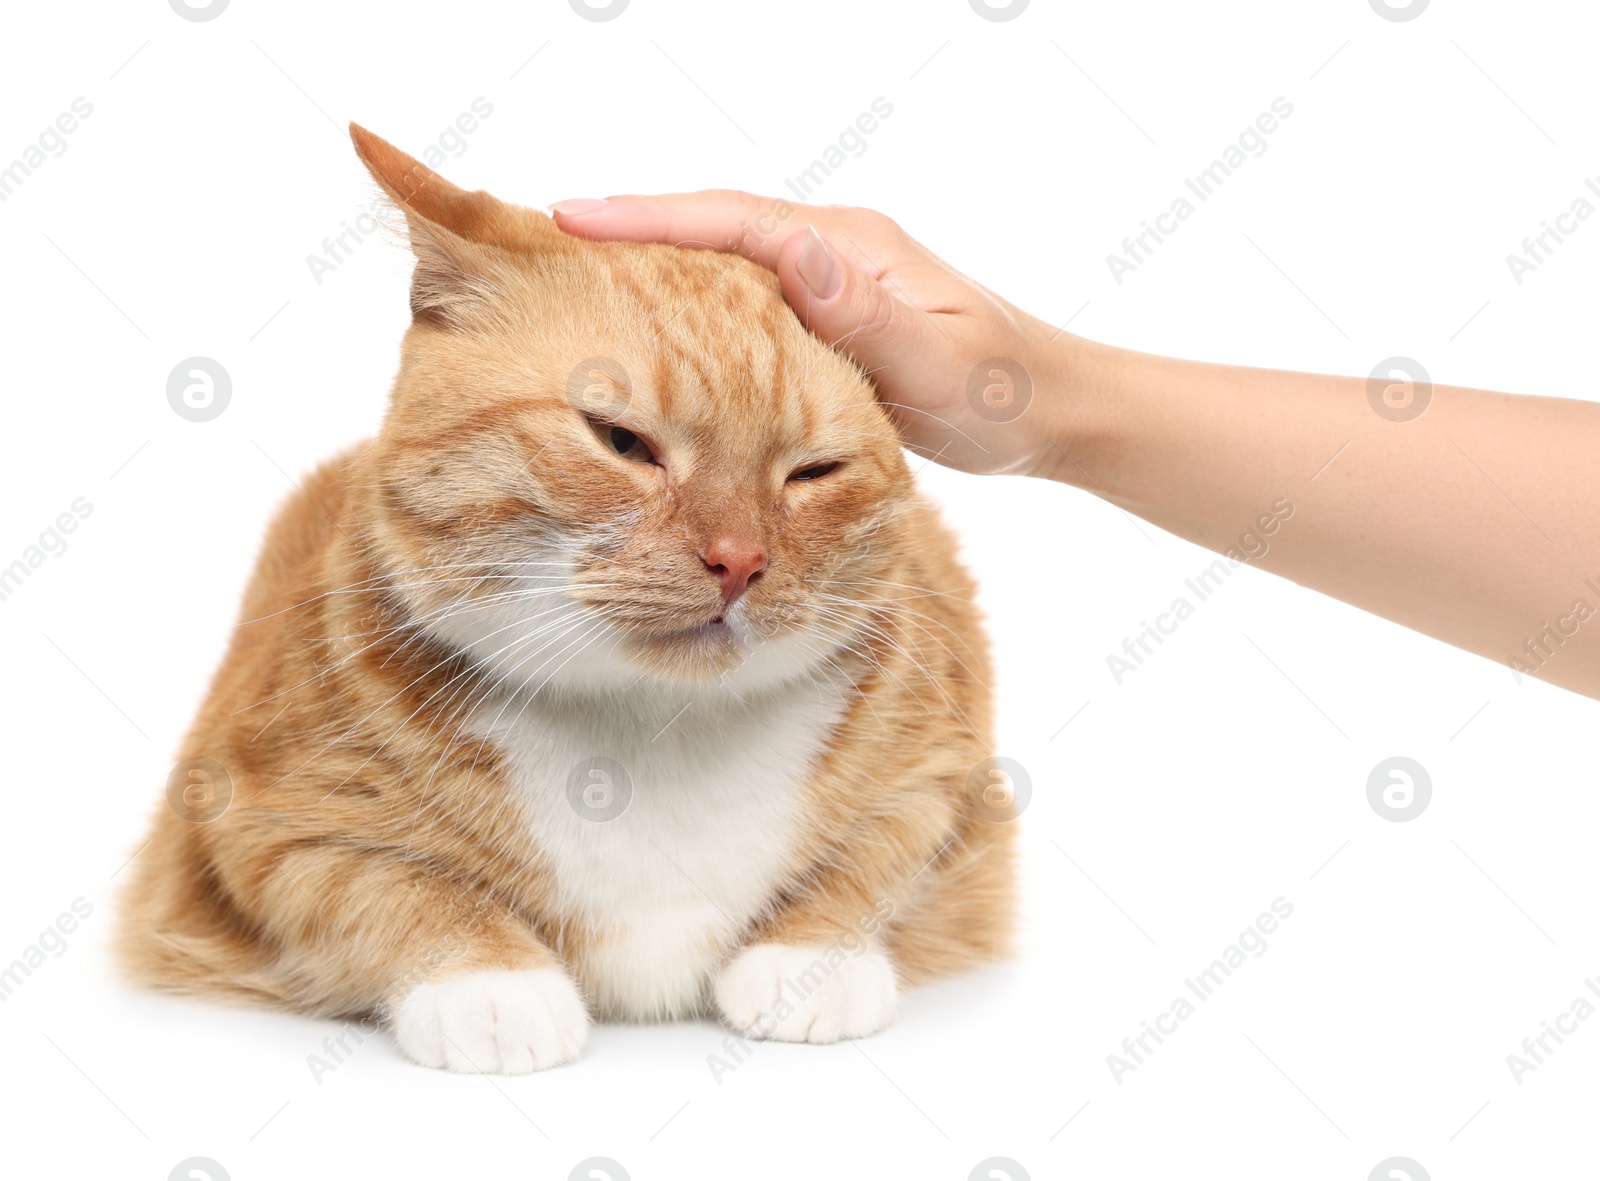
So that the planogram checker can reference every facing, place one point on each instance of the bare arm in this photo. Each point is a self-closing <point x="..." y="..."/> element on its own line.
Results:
<point x="1473" y="517"/>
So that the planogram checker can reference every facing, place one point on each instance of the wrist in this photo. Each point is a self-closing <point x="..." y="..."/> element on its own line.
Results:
<point x="1080" y="400"/>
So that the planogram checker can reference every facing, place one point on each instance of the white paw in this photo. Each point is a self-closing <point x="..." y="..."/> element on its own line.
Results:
<point x="494" y="1022"/>
<point x="806" y="993"/>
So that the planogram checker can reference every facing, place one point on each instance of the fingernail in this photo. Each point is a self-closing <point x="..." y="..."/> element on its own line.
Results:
<point x="576" y="206"/>
<point x="816" y="266"/>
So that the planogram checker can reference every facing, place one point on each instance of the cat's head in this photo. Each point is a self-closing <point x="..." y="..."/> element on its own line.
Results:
<point x="607" y="461"/>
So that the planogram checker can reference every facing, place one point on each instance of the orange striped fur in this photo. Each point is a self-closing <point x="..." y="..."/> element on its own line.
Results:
<point x="493" y="574"/>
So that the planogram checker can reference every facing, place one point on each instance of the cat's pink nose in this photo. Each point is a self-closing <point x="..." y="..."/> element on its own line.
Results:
<point x="736" y="564"/>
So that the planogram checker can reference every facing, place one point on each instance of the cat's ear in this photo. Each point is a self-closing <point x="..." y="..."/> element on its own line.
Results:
<point x="458" y="237"/>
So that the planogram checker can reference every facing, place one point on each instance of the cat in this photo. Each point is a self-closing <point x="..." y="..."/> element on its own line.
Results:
<point x="623" y="675"/>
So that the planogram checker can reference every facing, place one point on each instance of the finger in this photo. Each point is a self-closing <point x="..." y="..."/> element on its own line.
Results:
<point x="718" y="219"/>
<point x="722" y="219"/>
<point x="845" y="306"/>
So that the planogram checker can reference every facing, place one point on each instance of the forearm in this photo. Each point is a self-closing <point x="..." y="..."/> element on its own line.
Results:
<point x="1477" y="522"/>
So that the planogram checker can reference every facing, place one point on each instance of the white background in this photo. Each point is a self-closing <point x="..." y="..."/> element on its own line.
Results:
<point x="1223" y="774"/>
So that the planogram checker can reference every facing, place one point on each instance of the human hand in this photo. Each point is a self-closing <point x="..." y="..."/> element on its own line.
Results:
<point x="969" y="379"/>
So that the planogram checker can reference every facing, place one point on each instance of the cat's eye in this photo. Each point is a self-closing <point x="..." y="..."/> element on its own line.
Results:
<point x="623" y="441"/>
<point x="815" y="472"/>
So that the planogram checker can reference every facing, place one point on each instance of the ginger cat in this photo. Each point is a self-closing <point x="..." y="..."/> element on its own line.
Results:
<point x="623" y="675"/>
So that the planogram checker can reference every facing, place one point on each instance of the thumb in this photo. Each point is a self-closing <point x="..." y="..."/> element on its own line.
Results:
<point x="843" y="305"/>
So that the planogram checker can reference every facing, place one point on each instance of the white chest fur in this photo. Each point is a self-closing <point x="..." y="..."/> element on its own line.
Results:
<point x="715" y="803"/>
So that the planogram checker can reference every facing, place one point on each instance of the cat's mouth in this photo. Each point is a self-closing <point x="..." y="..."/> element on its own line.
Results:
<point x="696" y="652"/>
<point x="714" y="629"/>
<point x="716" y="639"/>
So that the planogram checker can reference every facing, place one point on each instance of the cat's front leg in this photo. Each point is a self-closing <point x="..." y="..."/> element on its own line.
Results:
<point x="462" y="982"/>
<point x="503" y="1003"/>
<point x="493" y="1021"/>
<point x="818" y="969"/>
<point x="808" y="991"/>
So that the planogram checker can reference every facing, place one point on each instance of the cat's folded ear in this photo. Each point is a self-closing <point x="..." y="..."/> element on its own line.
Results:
<point x="461" y="239"/>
